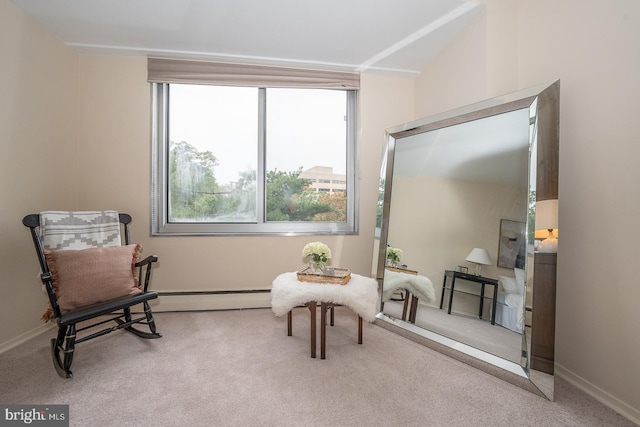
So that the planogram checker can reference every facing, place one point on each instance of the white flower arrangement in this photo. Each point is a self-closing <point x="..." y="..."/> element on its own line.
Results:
<point x="394" y="254"/>
<point x="318" y="250"/>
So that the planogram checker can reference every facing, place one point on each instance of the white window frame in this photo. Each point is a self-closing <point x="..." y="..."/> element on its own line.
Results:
<point x="159" y="181"/>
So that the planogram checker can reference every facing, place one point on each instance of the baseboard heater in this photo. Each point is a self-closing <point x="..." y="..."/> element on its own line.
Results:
<point x="213" y="300"/>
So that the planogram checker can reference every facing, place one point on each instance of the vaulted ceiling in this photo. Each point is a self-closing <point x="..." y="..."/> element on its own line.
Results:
<point x="391" y="36"/>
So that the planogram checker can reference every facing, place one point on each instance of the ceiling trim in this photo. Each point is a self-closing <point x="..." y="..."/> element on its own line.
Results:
<point x="423" y="32"/>
<point x="101" y="49"/>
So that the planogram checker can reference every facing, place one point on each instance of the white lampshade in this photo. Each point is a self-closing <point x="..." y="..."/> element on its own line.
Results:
<point x="479" y="257"/>
<point x="547" y="222"/>
<point x="547" y="214"/>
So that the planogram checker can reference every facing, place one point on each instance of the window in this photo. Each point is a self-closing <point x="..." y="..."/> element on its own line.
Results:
<point x="244" y="160"/>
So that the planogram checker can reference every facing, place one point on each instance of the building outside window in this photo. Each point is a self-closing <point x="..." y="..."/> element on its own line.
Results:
<point x="331" y="182"/>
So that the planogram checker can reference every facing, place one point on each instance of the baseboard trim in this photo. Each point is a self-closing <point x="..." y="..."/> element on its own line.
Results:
<point x="599" y="394"/>
<point x="14" y="342"/>
<point x="177" y="301"/>
<point x="212" y="300"/>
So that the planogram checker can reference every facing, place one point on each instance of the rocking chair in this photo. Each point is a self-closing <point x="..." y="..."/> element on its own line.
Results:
<point x="90" y="278"/>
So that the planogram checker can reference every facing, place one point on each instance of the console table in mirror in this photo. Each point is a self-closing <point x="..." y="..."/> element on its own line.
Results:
<point x="447" y="183"/>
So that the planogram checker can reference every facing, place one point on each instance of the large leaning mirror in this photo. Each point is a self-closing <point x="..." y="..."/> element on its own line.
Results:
<point x="467" y="231"/>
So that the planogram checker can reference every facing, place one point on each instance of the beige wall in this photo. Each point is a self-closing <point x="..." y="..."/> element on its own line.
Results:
<point x="592" y="47"/>
<point x="459" y="74"/>
<point x="39" y="161"/>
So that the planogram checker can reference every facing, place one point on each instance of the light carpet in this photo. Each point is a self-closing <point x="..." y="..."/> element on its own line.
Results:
<point x="477" y="333"/>
<point x="239" y="368"/>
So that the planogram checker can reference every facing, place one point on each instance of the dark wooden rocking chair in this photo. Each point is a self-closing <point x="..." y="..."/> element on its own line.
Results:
<point x="116" y="310"/>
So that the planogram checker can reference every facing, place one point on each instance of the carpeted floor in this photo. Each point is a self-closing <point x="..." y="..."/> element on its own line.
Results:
<point x="239" y="368"/>
<point x="477" y="333"/>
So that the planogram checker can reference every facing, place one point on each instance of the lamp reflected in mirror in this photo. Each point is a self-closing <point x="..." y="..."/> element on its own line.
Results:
<point x="479" y="257"/>
<point x="547" y="225"/>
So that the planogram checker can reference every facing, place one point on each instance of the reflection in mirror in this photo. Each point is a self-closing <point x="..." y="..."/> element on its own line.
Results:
<point x="453" y="188"/>
<point x="457" y="257"/>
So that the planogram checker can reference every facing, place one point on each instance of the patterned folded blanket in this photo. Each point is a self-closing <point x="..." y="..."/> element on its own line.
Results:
<point x="79" y="230"/>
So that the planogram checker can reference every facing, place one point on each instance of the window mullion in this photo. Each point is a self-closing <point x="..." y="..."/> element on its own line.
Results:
<point x="159" y="166"/>
<point x="352" y="159"/>
<point x="261" y="174"/>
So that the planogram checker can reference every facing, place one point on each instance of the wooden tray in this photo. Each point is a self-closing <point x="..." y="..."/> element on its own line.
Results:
<point x="341" y="276"/>
<point x="402" y="270"/>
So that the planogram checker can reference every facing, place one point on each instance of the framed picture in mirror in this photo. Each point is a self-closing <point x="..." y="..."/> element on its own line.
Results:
<point x="512" y="246"/>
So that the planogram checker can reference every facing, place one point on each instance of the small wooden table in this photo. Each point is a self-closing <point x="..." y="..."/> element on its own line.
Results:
<point x="408" y="296"/>
<point x="453" y="275"/>
<point x="324" y="307"/>
<point x="360" y="294"/>
<point x="414" y="287"/>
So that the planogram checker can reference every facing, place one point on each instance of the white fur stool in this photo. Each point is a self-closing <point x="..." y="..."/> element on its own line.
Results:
<point x="360" y="294"/>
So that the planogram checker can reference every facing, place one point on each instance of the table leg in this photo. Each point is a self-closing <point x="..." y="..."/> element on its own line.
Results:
<point x="289" y="328"/>
<point x="359" y="329"/>
<point x="481" y="300"/>
<point x="312" y="309"/>
<point x="414" y="309"/>
<point x="444" y="286"/>
<point x="323" y="329"/>
<point x="453" y="284"/>
<point x="406" y="304"/>
<point x="332" y="319"/>
<point x="493" y="303"/>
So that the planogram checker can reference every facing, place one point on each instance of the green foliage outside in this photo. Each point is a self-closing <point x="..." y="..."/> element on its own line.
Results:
<point x="195" y="194"/>
<point x="290" y="198"/>
<point x="531" y="216"/>
<point x="380" y="204"/>
<point x="338" y="203"/>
